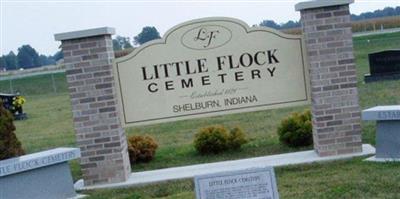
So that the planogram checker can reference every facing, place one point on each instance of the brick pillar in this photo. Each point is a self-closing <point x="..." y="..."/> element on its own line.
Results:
<point x="88" y="56"/>
<point x="335" y="107"/>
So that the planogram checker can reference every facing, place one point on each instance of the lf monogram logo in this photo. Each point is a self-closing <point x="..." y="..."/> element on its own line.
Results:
<point x="206" y="35"/>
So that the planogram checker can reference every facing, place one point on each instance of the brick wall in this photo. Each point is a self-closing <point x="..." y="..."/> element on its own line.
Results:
<point x="335" y="107"/>
<point x="95" y="113"/>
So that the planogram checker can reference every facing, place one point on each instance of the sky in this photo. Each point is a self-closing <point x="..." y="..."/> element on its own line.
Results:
<point x="36" y="22"/>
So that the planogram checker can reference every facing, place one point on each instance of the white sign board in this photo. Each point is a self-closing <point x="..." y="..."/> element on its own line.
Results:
<point x="247" y="184"/>
<point x="210" y="67"/>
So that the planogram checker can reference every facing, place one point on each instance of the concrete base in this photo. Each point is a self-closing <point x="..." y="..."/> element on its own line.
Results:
<point x="176" y="173"/>
<point x="79" y="196"/>
<point x="375" y="159"/>
<point x="369" y="78"/>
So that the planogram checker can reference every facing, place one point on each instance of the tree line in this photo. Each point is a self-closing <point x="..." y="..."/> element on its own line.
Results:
<point x="148" y="33"/>
<point x="386" y="12"/>
<point x="28" y="57"/>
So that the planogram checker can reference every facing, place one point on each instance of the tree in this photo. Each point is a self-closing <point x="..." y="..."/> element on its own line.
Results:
<point x="10" y="61"/>
<point x="28" y="57"/>
<point x="120" y="43"/>
<point x="386" y="12"/>
<point x="9" y="144"/>
<point x="148" y="33"/>
<point x="46" y="60"/>
<point x="58" y="55"/>
<point x="290" y="24"/>
<point x="127" y="43"/>
<point x="116" y="45"/>
<point x="2" y="62"/>
<point x="270" y="24"/>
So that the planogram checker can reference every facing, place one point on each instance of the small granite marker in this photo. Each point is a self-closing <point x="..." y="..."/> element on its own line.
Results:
<point x="257" y="183"/>
<point x="387" y="131"/>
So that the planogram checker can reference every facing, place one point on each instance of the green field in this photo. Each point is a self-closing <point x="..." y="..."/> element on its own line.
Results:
<point x="50" y="125"/>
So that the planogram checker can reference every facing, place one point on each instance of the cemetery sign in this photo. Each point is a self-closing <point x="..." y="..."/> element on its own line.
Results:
<point x="209" y="67"/>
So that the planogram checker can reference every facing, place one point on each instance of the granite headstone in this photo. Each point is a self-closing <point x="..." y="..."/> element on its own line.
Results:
<point x="387" y="130"/>
<point x="384" y="65"/>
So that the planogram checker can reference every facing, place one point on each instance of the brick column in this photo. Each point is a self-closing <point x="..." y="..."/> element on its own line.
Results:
<point x="88" y="56"/>
<point x="335" y="107"/>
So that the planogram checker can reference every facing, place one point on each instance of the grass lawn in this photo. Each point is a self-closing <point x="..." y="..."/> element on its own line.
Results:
<point x="341" y="179"/>
<point x="50" y="125"/>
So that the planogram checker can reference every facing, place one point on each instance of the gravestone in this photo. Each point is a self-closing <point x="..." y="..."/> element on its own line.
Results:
<point x="43" y="175"/>
<point x="384" y="65"/>
<point x="387" y="130"/>
<point x="257" y="183"/>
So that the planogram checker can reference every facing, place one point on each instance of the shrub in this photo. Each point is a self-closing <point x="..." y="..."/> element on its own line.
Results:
<point x="9" y="144"/>
<point x="236" y="138"/>
<point x="215" y="139"/>
<point x="212" y="139"/>
<point x="296" y="130"/>
<point x="141" y="148"/>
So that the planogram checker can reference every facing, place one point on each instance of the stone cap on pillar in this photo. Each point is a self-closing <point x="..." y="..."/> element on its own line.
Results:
<point x="84" y="33"/>
<point x="382" y="113"/>
<point x="321" y="3"/>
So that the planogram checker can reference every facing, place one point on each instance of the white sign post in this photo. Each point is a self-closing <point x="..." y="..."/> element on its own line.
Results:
<point x="210" y="67"/>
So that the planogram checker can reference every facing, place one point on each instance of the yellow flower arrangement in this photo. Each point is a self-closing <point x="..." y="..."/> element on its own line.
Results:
<point x="18" y="101"/>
